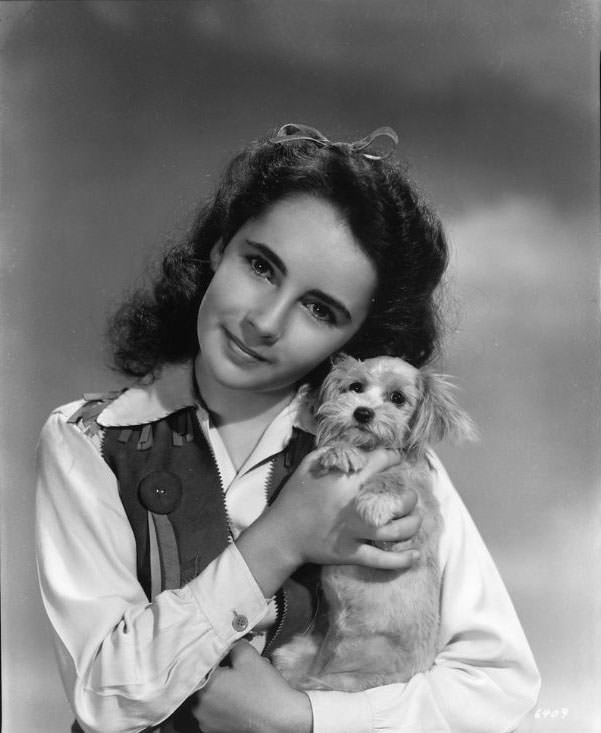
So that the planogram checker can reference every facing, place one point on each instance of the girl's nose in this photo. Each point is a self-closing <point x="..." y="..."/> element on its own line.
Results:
<point x="265" y="322"/>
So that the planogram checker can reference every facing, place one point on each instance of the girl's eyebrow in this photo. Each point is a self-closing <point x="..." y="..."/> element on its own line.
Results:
<point x="270" y="255"/>
<point x="332" y="302"/>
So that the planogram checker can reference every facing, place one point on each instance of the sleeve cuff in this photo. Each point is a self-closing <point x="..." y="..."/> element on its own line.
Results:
<point x="341" y="712"/>
<point x="228" y="596"/>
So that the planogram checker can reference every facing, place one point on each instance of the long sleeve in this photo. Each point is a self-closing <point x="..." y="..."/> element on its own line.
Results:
<point x="484" y="679"/>
<point x="126" y="663"/>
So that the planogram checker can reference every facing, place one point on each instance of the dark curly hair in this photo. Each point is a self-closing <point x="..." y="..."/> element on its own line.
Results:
<point x="398" y="232"/>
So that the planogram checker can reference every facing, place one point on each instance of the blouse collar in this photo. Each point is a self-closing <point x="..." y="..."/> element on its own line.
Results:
<point x="156" y="396"/>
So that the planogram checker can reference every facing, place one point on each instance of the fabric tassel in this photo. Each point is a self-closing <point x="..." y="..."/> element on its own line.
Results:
<point x="178" y="428"/>
<point x="156" y="575"/>
<point x="125" y="435"/>
<point x="95" y="402"/>
<point x="87" y="415"/>
<point x="168" y="552"/>
<point x="145" y="439"/>
<point x="183" y="428"/>
<point x="189" y="435"/>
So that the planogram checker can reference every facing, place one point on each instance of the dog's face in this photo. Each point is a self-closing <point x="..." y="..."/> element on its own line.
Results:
<point x="368" y="403"/>
<point x="387" y="402"/>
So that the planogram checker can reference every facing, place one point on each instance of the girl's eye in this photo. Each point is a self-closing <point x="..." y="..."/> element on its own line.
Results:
<point x="397" y="398"/>
<point x="260" y="266"/>
<point x="355" y="387"/>
<point x="321" y="312"/>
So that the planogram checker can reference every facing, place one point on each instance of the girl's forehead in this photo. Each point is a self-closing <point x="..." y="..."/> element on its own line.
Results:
<point x="309" y="221"/>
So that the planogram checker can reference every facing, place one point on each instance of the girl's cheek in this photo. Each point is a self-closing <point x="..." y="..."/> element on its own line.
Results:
<point x="239" y="277"/>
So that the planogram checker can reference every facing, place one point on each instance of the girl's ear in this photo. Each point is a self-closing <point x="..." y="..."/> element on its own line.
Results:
<point x="216" y="254"/>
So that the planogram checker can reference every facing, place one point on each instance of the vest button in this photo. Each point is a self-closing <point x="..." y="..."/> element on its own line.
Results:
<point x="160" y="492"/>
<point x="239" y="622"/>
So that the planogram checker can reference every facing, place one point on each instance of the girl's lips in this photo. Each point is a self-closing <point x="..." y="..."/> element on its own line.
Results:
<point x="241" y="346"/>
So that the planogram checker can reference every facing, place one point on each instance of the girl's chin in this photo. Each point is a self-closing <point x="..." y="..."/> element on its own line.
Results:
<point x="234" y="376"/>
<point x="234" y="371"/>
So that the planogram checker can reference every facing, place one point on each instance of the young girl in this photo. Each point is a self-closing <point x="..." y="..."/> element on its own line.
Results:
<point x="179" y="524"/>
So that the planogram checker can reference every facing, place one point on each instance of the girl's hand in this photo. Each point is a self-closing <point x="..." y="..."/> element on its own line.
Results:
<point x="314" y="520"/>
<point x="251" y="697"/>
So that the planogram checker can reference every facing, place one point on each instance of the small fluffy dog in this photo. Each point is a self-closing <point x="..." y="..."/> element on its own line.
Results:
<point x="382" y="625"/>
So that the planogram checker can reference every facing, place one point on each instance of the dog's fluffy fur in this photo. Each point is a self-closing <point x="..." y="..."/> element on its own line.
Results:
<point x="382" y="625"/>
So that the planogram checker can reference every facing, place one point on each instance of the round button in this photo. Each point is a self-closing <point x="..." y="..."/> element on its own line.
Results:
<point x="239" y="622"/>
<point x="160" y="492"/>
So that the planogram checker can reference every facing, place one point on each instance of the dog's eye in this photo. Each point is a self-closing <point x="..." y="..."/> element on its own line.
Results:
<point x="398" y="398"/>
<point x="355" y="387"/>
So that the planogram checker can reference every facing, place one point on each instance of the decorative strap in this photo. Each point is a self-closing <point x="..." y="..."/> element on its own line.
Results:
<point x="284" y="463"/>
<point x="291" y="132"/>
<point x="94" y="404"/>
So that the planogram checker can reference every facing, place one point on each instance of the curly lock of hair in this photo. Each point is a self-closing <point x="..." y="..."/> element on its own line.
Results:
<point x="398" y="232"/>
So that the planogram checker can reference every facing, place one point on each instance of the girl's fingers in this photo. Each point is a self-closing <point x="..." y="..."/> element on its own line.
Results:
<point x="379" y="460"/>
<point x="242" y="652"/>
<point x="397" y="530"/>
<point x="373" y="557"/>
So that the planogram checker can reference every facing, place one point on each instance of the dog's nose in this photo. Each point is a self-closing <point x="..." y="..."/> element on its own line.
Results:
<point x="363" y="414"/>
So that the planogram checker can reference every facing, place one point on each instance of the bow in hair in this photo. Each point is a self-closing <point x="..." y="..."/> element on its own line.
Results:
<point x="292" y="131"/>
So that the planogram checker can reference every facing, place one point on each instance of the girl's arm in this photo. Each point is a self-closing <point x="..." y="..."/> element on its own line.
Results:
<point x="126" y="663"/>
<point x="484" y="680"/>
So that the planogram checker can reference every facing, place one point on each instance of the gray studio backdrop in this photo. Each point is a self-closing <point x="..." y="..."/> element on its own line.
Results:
<point x="116" y="117"/>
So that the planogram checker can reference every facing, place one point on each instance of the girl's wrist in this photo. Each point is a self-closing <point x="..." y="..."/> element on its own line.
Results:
<point x="298" y="717"/>
<point x="266" y="548"/>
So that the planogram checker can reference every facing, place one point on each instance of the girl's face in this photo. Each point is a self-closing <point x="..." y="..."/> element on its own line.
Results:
<point x="291" y="287"/>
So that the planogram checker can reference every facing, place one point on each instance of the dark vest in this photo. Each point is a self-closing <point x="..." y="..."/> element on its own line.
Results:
<point x="171" y="491"/>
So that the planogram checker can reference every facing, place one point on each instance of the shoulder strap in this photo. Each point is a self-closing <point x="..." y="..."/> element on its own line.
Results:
<point x="95" y="402"/>
<point x="301" y="443"/>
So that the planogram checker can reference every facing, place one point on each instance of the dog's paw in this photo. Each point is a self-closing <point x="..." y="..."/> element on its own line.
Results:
<point x="293" y="660"/>
<point x="341" y="457"/>
<point x="375" y="510"/>
<point x="309" y="682"/>
<point x="378" y="502"/>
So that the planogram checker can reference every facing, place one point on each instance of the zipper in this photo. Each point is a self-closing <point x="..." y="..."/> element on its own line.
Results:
<point x="268" y="480"/>
<point x="280" y="599"/>
<point x="102" y="442"/>
<point x="281" y="605"/>
<point x="228" y="521"/>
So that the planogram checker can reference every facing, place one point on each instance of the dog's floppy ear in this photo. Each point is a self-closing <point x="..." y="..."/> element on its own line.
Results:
<point x="437" y="416"/>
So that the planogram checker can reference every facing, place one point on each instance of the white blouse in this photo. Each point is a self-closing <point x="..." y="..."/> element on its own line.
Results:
<point x="128" y="663"/>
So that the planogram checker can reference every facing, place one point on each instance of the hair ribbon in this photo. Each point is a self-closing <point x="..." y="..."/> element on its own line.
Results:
<point x="291" y="132"/>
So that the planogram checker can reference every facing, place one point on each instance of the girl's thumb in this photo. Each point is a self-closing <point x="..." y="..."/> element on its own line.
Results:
<point x="241" y="652"/>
